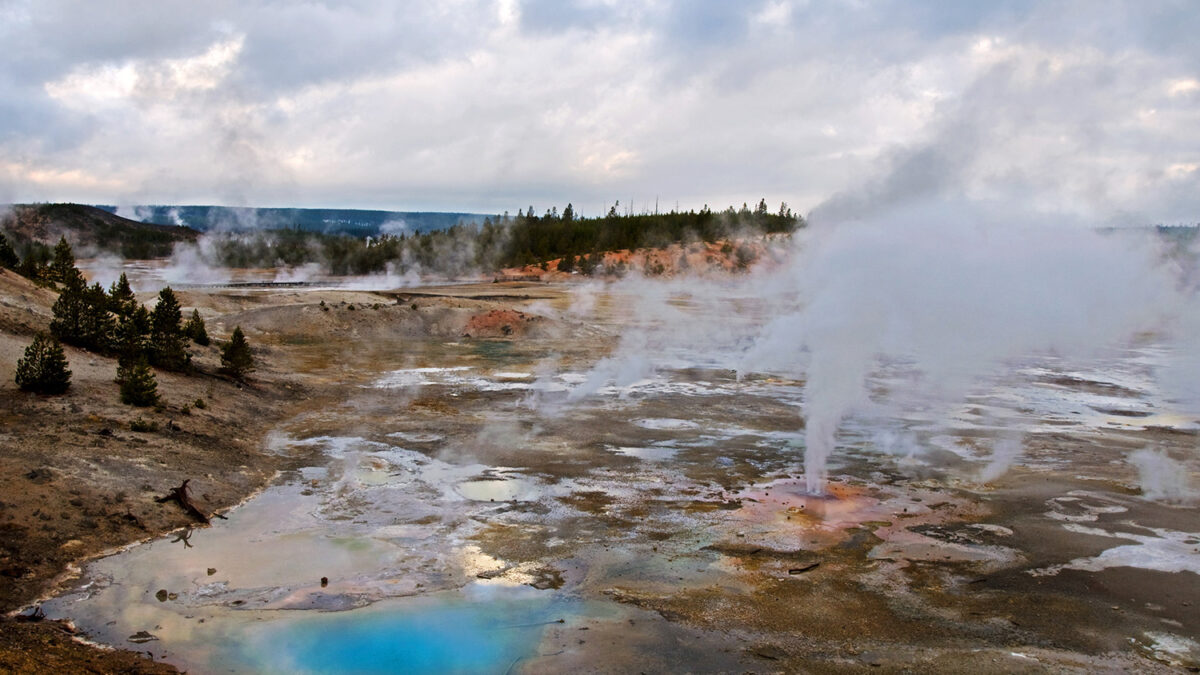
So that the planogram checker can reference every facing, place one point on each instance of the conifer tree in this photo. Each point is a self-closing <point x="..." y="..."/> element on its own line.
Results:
<point x="8" y="257"/>
<point x="81" y="314"/>
<point x="64" y="262"/>
<point x="195" y="330"/>
<point x="121" y="300"/>
<point x="236" y="359"/>
<point x="43" y="369"/>
<point x="166" y="346"/>
<point x="35" y="263"/>
<point x="69" y="308"/>
<point x="99" y="326"/>
<point x="139" y="387"/>
<point x="130" y="340"/>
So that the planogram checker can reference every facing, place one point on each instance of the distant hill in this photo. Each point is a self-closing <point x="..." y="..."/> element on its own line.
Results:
<point x="356" y="222"/>
<point x="90" y="229"/>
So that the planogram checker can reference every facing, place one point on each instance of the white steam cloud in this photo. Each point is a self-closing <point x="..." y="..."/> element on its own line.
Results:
<point x="940" y="308"/>
<point x="1162" y="478"/>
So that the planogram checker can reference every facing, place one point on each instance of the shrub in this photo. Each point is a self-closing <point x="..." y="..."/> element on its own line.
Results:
<point x="142" y="426"/>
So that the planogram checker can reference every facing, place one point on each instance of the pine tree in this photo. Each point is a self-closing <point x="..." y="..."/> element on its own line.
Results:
<point x="195" y="330"/>
<point x="69" y="308"/>
<point x="8" y="257"/>
<point x="81" y="315"/>
<point x="167" y="348"/>
<point x="43" y="369"/>
<point x="64" y="261"/>
<point x="130" y="339"/>
<point x="36" y="261"/>
<point x="121" y="300"/>
<point x="139" y="387"/>
<point x="98" y="326"/>
<point x="236" y="359"/>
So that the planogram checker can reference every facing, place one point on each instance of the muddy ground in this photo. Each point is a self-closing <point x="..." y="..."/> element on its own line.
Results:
<point x="722" y="560"/>
<point x="76" y="479"/>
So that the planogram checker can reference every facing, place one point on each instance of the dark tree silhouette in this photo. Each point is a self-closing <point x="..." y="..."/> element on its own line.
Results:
<point x="43" y="369"/>
<point x="236" y="359"/>
<point x="195" y="330"/>
<point x="64" y="262"/>
<point x="81" y="315"/>
<point x="167" y="348"/>
<point x="139" y="387"/>
<point x="120" y="297"/>
<point x="8" y="256"/>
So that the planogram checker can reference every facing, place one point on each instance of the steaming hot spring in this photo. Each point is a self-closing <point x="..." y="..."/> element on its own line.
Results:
<point x="944" y="450"/>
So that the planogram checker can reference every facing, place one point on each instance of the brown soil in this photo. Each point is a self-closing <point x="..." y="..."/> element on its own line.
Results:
<point x="500" y="322"/>
<point x="77" y="481"/>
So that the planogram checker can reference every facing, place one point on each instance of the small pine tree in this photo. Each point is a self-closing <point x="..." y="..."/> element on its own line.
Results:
<point x="195" y="330"/>
<point x="64" y="262"/>
<point x="236" y="359"/>
<point x="8" y="256"/>
<point x="139" y="387"/>
<point x="121" y="300"/>
<point x="69" y="309"/>
<point x="43" y="369"/>
<point x="167" y="347"/>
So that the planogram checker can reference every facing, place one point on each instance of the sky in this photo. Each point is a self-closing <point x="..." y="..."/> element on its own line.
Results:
<point x="1083" y="111"/>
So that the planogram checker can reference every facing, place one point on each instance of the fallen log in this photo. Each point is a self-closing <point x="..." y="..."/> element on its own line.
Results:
<point x="180" y="495"/>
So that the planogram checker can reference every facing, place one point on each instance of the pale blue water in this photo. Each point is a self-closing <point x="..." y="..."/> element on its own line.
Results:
<point x="480" y="635"/>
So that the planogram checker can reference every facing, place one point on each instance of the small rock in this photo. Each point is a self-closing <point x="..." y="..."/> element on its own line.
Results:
<point x="212" y="571"/>
<point x="161" y="595"/>
<point x="769" y="652"/>
<point x="142" y="636"/>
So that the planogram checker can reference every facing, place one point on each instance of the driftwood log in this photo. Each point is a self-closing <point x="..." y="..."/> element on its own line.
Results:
<point x="180" y="495"/>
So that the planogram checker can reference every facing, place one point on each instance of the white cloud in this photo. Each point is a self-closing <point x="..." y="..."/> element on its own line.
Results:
<point x="154" y="81"/>
<point x="494" y="104"/>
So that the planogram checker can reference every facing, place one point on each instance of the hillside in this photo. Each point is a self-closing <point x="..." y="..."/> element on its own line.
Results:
<point x="90" y="230"/>
<point x="355" y="222"/>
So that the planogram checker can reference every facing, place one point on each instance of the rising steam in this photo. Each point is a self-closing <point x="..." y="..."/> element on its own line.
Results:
<point x="943" y="307"/>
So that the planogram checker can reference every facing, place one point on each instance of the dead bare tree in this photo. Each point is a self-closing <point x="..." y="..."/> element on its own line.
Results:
<point x="180" y="495"/>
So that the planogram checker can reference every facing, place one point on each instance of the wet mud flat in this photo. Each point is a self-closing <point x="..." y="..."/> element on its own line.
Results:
<point x="461" y="512"/>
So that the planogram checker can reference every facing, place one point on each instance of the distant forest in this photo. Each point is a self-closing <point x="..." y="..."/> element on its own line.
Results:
<point x="485" y="244"/>
<point x="500" y="241"/>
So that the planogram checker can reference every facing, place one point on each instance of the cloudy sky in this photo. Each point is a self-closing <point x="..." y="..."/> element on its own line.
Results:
<point x="1088" y="110"/>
